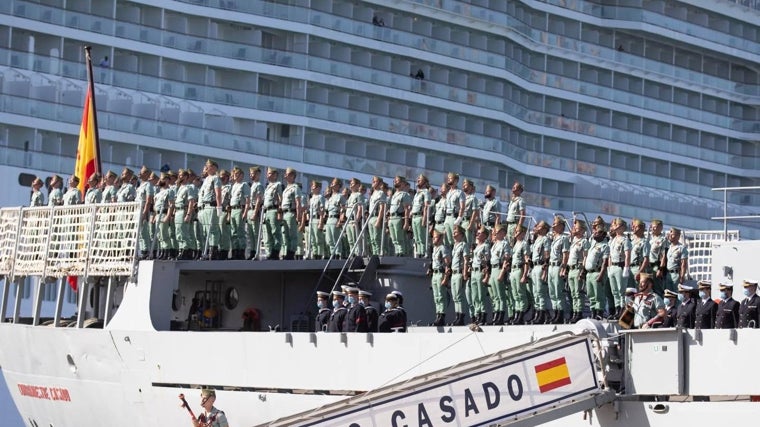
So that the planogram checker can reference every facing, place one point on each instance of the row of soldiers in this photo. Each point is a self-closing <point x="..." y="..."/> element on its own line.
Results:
<point x="350" y="310"/>
<point x="550" y="274"/>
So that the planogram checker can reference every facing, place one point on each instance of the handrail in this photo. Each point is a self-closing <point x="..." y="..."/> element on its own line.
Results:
<point x="725" y="216"/>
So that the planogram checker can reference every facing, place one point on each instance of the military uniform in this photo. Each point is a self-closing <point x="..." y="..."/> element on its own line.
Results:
<point x="704" y="315"/>
<point x="502" y="298"/>
<point x="676" y="254"/>
<point x="577" y="251"/>
<point x="93" y="196"/>
<point x="596" y="258"/>
<point x="356" y="317"/>
<point x="317" y="249"/>
<point x="38" y="199"/>
<point x="639" y="253"/>
<point x="520" y="268"/>
<point x="471" y="207"/>
<point x="370" y="311"/>
<point x="376" y="202"/>
<point x="225" y="220"/>
<point x="126" y="193"/>
<point x="490" y="213"/>
<point x="240" y="196"/>
<point x="55" y="198"/>
<point x="541" y="302"/>
<point x="671" y="309"/>
<point x="749" y="309"/>
<point x="272" y="234"/>
<point x="685" y="310"/>
<point x="183" y="220"/>
<point x="393" y="318"/>
<point x="291" y="200"/>
<point x="439" y="214"/>
<point x="353" y="221"/>
<point x="72" y="197"/>
<point x="420" y="206"/>
<point x="323" y="315"/>
<point x="516" y="205"/>
<point x="727" y="316"/>
<point x="455" y="198"/>
<point x="208" y="214"/>
<point x="162" y="201"/>
<point x="338" y="316"/>
<point x="460" y="255"/>
<point x="620" y="248"/>
<point x="645" y="308"/>
<point x="216" y="418"/>
<point x="481" y="258"/>
<point x="336" y="206"/>
<point x="559" y="247"/>
<point x="253" y="223"/>
<point x="658" y="247"/>
<point x="441" y="255"/>
<point x="109" y="194"/>
<point x="398" y="214"/>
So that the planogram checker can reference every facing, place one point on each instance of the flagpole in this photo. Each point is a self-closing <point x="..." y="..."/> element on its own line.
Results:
<point x="91" y="83"/>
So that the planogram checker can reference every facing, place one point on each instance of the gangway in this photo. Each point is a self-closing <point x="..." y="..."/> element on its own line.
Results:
<point x="530" y="384"/>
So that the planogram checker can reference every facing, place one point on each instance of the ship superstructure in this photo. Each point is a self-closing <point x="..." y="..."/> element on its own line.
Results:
<point x="632" y="108"/>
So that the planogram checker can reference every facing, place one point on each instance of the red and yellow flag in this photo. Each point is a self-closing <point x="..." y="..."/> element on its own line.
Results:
<point x="87" y="150"/>
<point x="552" y="374"/>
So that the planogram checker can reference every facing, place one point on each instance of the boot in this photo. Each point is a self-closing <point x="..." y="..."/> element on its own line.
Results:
<point x="273" y="256"/>
<point x="518" y="320"/>
<point x="289" y="255"/>
<point x="440" y="320"/>
<point x="542" y="316"/>
<point x="614" y="315"/>
<point x="494" y="318"/>
<point x="560" y="317"/>
<point x="459" y="321"/>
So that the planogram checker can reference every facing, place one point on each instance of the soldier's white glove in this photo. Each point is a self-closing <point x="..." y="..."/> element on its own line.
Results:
<point x="219" y="210"/>
<point x="626" y="272"/>
<point x="457" y="221"/>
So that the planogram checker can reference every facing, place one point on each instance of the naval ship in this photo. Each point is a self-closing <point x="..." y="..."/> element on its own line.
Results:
<point x="631" y="108"/>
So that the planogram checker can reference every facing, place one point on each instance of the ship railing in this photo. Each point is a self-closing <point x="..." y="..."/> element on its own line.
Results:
<point x="76" y="240"/>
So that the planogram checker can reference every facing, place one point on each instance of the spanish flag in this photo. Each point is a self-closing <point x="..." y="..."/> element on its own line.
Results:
<point x="88" y="150"/>
<point x="552" y="374"/>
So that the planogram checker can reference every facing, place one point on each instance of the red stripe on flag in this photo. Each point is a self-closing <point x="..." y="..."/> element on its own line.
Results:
<point x="72" y="282"/>
<point x="555" y="384"/>
<point x="87" y="151"/>
<point x="550" y="364"/>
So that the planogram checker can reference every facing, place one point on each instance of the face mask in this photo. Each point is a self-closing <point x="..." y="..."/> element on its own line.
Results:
<point x="680" y="297"/>
<point x="320" y="304"/>
<point x="351" y="300"/>
<point x="702" y="294"/>
<point x="723" y="295"/>
<point x="747" y="292"/>
<point x="666" y="301"/>
<point x="361" y="301"/>
<point x="387" y="305"/>
<point x="336" y="303"/>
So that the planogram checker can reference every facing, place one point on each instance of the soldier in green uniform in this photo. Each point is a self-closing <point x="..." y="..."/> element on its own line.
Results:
<point x="336" y="207"/>
<point x="254" y="219"/>
<point x="163" y="209"/>
<point x="354" y="215"/>
<point x="460" y="274"/>
<point x="144" y="195"/>
<point x="399" y="217"/>
<point x="272" y="215"/>
<point x="55" y="196"/>
<point x="490" y="215"/>
<point x="658" y="249"/>
<point x="210" y="209"/>
<point x="38" y="199"/>
<point x="109" y="191"/>
<point x="440" y="209"/>
<point x="515" y="211"/>
<point x="94" y="194"/>
<point x="577" y="253"/>
<point x="317" y="219"/>
<point x="558" y="270"/>
<point x="240" y="201"/>
<point x="291" y="211"/>
<point x="184" y="206"/>
<point x="519" y="277"/>
<point x="677" y="260"/>
<point x="455" y="199"/>
<point x="440" y="268"/>
<point x="72" y="195"/>
<point x="419" y="212"/>
<point x="225" y="217"/>
<point x="595" y="268"/>
<point x="377" y="208"/>
<point x="471" y="216"/>
<point x="211" y="416"/>
<point x="618" y="269"/>
<point x="476" y="291"/>
<point x="541" y="251"/>
<point x="639" y="252"/>
<point x="500" y="261"/>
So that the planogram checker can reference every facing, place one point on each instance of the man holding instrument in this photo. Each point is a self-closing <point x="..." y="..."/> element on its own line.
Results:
<point x="211" y="416"/>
